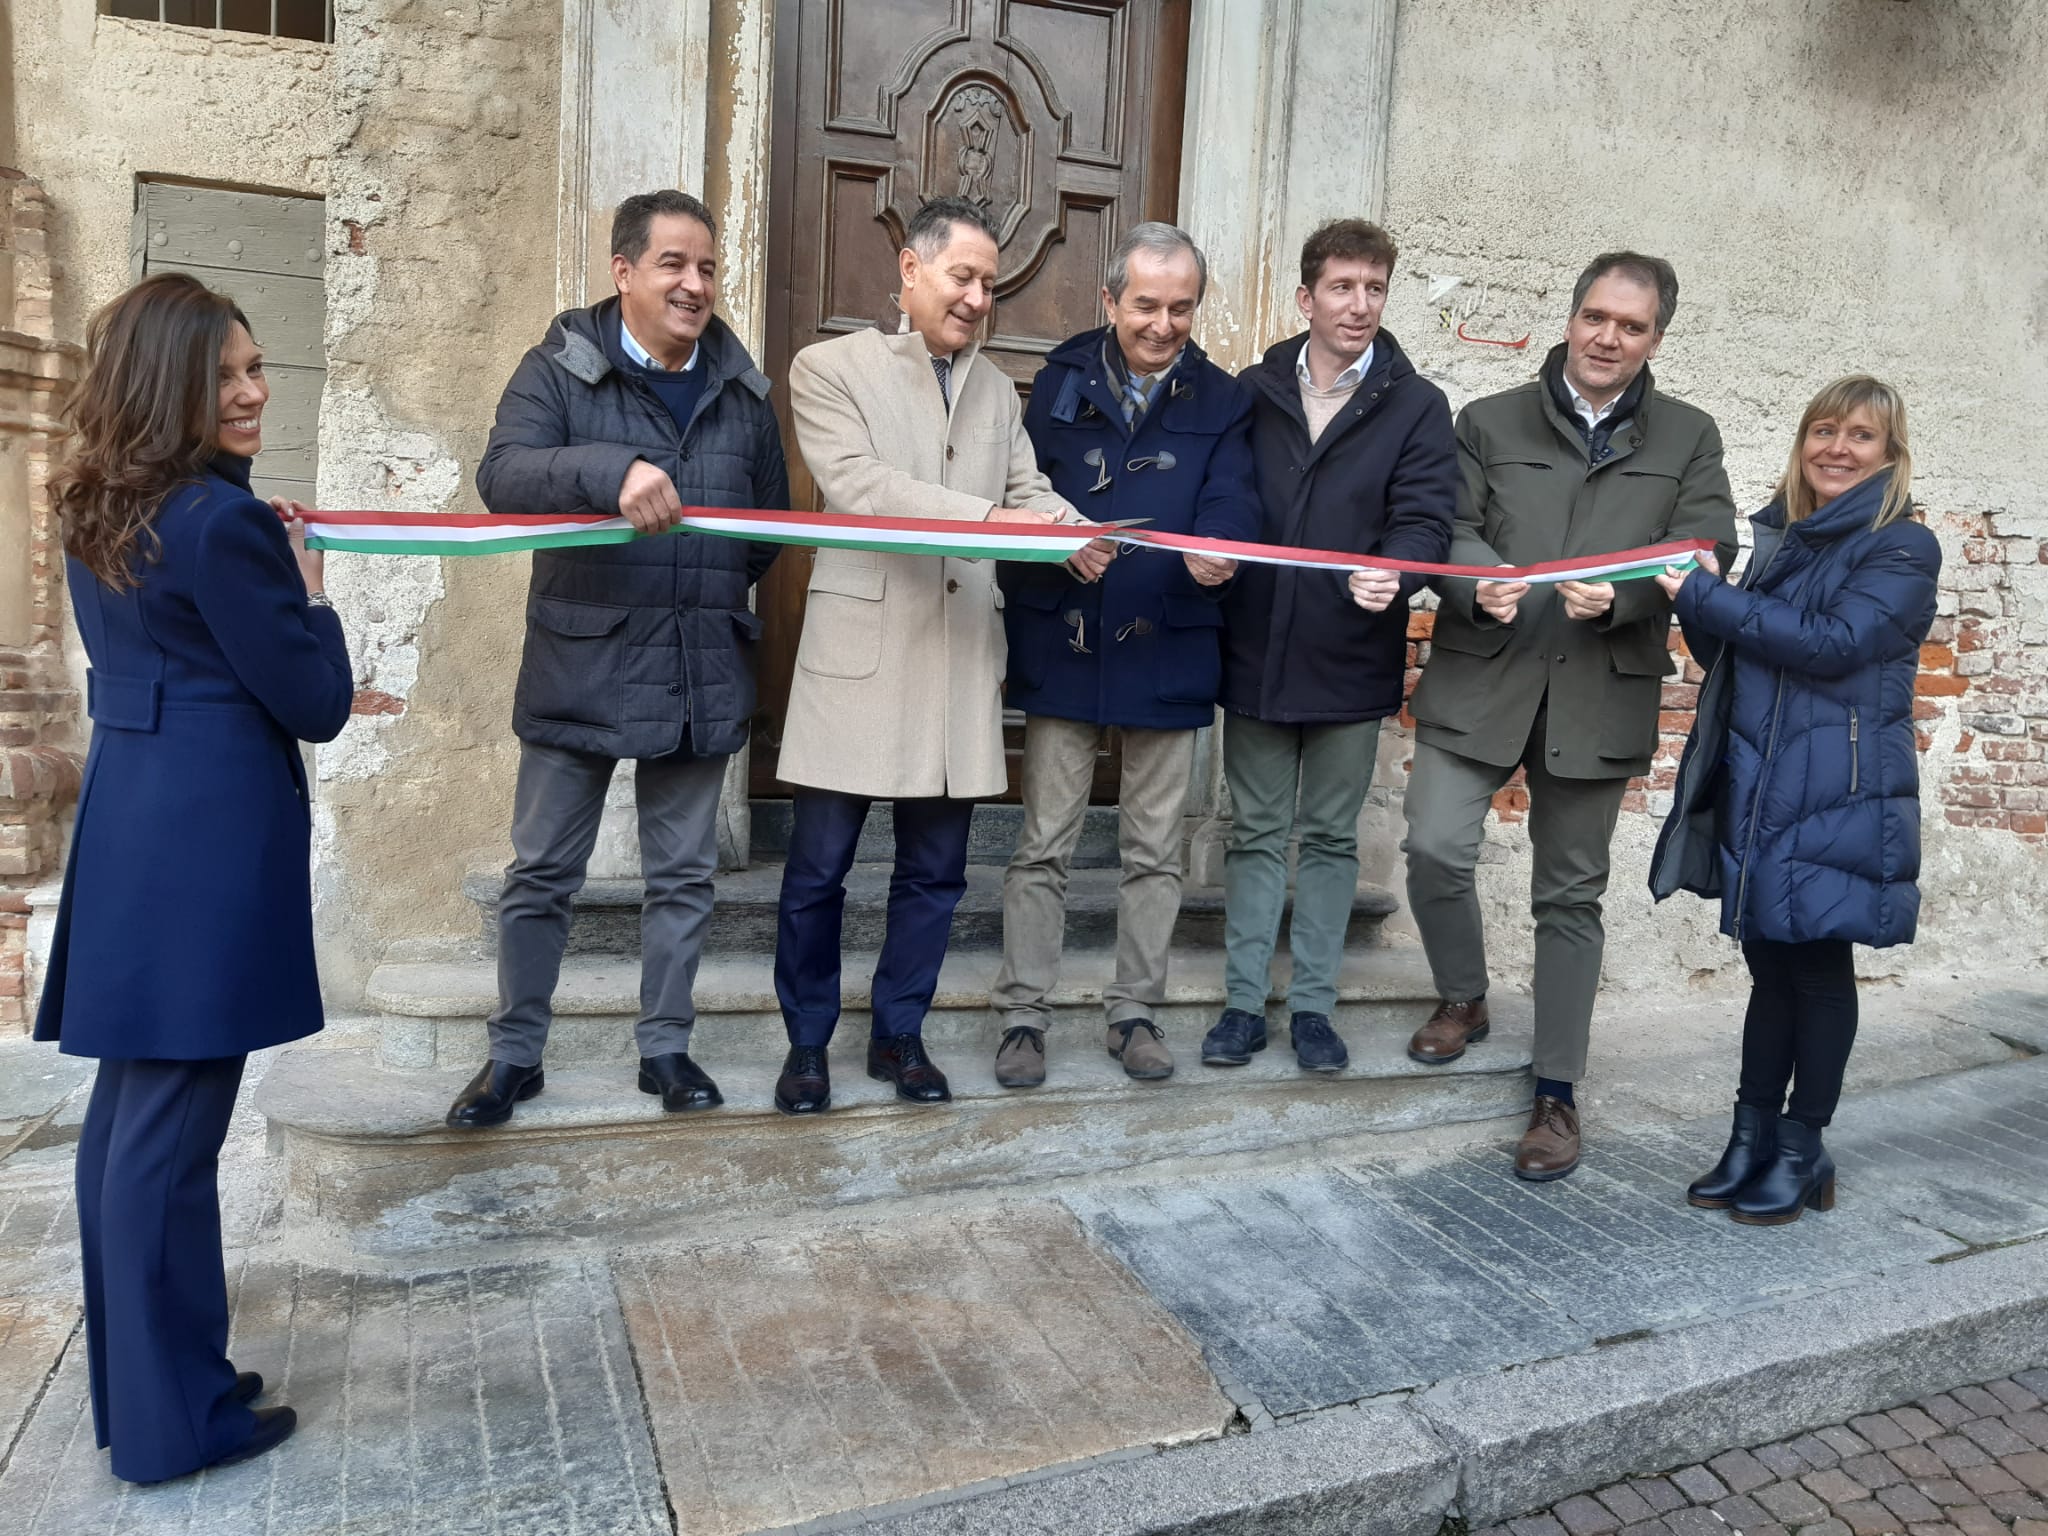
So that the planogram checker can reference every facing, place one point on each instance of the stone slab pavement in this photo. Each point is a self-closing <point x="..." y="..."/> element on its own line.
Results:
<point x="1303" y="1347"/>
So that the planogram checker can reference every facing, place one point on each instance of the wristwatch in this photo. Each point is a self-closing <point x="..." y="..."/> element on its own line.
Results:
<point x="319" y="600"/>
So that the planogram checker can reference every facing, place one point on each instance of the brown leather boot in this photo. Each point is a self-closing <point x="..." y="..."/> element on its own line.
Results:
<point x="1550" y="1147"/>
<point x="1450" y="1029"/>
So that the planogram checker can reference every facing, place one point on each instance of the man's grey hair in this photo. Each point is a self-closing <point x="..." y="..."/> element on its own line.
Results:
<point x="1161" y="240"/>
<point x="931" y="227"/>
<point x="632" y="223"/>
<point x="1651" y="271"/>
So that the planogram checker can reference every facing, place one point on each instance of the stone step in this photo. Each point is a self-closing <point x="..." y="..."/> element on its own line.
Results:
<point x="434" y="1011"/>
<point x="991" y="839"/>
<point x="372" y="1174"/>
<point x="606" y="919"/>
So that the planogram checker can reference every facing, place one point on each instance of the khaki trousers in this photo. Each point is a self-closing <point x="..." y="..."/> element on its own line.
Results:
<point x="1571" y="823"/>
<point x="1059" y="766"/>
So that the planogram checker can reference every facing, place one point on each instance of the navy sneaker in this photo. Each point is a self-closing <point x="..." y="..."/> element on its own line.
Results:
<point x="1236" y="1035"/>
<point x="1318" y="1047"/>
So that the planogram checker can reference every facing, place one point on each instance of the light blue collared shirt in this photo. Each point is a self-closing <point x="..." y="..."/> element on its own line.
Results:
<point x="1350" y="378"/>
<point x="645" y="359"/>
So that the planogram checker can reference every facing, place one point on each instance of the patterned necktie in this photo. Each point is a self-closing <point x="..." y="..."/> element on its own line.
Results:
<point x="943" y="367"/>
<point x="1137" y="393"/>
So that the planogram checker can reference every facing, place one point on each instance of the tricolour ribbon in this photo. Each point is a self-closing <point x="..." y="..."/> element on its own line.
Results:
<point x="431" y="533"/>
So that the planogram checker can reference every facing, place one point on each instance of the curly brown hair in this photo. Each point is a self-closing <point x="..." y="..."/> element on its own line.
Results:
<point x="144" y="419"/>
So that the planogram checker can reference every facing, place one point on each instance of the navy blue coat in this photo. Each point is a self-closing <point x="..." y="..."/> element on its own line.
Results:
<point x="185" y="931"/>
<point x="1816" y="805"/>
<point x="636" y="649"/>
<point x="1152" y="635"/>
<point x="1382" y="479"/>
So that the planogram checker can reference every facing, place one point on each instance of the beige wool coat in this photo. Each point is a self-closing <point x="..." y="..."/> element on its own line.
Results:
<point x="898" y="685"/>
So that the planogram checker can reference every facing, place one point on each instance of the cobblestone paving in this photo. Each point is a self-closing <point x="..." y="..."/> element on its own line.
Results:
<point x="1971" y="1462"/>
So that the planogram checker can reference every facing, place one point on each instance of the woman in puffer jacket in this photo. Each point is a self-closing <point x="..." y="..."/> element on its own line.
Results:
<point x="1797" y="802"/>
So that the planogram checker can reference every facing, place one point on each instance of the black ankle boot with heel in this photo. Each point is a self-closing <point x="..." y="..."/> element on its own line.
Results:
<point x="1799" y="1176"/>
<point x="1751" y="1144"/>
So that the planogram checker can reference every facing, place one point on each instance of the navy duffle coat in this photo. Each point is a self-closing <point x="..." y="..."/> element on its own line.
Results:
<point x="1802" y="770"/>
<point x="1142" y="647"/>
<point x="185" y="930"/>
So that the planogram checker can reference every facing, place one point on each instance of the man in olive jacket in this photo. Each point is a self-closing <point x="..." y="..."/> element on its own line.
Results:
<point x="1563" y="681"/>
<point x="636" y="406"/>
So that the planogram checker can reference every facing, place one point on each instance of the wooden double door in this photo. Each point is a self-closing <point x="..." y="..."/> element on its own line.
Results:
<point x="1063" y="117"/>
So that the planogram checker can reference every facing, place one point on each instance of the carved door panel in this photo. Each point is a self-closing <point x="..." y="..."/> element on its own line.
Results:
<point x="1062" y="116"/>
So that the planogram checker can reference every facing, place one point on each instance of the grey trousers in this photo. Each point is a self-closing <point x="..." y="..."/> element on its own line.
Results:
<point x="1571" y="823"/>
<point x="556" y="808"/>
<point x="1059" y="765"/>
<point x="1288" y="780"/>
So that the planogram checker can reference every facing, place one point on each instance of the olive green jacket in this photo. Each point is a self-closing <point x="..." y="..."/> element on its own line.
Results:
<point x="1532" y="493"/>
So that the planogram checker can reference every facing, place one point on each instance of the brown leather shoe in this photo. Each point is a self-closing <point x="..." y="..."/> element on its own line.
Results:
<point x="1450" y="1029"/>
<point x="1550" y="1147"/>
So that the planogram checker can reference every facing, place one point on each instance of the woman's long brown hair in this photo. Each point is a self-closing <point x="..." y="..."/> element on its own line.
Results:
<point x="145" y="418"/>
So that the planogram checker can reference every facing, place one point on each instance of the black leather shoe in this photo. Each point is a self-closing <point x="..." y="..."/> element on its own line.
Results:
<point x="1800" y="1175"/>
<point x="900" y="1059"/>
<point x="489" y="1098"/>
<point x="682" y="1084"/>
<point x="274" y="1426"/>
<point x="248" y="1387"/>
<point x="1751" y="1145"/>
<point x="805" y="1087"/>
<point x="1233" y="1038"/>
<point x="1317" y="1046"/>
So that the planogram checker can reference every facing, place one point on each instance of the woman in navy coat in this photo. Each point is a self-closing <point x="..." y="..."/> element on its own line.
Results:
<point x="1797" y="802"/>
<point x="184" y="939"/>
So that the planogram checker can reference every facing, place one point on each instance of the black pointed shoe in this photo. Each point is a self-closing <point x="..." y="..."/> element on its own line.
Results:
<point x="274" y="1426"/>
<point x="682" y="1084"/>
<point x="248" y="1386"/>
<point x="805" y="1087"/>
<point x="489" y="1098"/>
<point x="901" y="1059"/>
<point x="1751" y="1144"/>
<point x="1800" y="1176"/>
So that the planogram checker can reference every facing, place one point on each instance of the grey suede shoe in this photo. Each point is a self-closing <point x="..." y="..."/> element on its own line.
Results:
<point x="1140" y="1046"/>
<point x="1020" y="1059"/>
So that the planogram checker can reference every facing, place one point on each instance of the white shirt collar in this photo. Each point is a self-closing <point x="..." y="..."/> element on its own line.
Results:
<point x="1589" y="413"/>
<point x="1350" y="378"/>
<point x="645" y="359"/>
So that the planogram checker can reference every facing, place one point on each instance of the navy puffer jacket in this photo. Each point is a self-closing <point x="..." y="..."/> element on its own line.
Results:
<point x="1816" y="807"/>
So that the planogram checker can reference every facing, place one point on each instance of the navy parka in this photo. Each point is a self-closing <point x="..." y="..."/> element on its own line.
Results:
<point x="185" y="929"/>
<point x="1140" y="647"/>
<point x="1382" y="479"/>
<point x="1803" y="753"/>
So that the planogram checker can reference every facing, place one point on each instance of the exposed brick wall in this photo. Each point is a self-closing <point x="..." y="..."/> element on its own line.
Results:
<point x="41" y="733"/>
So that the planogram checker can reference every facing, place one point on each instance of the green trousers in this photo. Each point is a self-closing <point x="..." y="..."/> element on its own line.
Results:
<point x="1286" y="780"/>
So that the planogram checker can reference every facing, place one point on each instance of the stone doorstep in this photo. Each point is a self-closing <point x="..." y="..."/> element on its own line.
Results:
<point x="372" y="1175"/>
<point x="606" y="915"/>
<point x="1487" y="1447"/>
<point x="434" y="1010"/>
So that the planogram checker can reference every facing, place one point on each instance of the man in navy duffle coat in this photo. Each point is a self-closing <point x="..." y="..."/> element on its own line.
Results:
<point x="1130" y="420"/>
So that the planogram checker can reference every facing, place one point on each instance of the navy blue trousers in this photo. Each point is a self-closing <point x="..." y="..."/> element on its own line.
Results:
<point x="156" y="1295"/>
<point x="929" y="878"/>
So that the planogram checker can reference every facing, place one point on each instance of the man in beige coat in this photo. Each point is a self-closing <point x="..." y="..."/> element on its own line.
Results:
<point x="898" y="687"/>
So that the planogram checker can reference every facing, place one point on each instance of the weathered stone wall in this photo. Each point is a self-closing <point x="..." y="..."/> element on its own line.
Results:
<point x="40" y="736"/>
<point x="1844" y="187"/>
<point x="441" y="225"/>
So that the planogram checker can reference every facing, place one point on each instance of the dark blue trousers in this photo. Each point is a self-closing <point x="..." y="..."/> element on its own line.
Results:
<point x="928" y="881"/>
<point x="156" y="1295"/>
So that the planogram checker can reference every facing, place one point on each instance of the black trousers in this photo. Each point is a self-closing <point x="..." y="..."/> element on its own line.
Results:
<point x="156" y="1296"/>
<point x="1800" y="1026"/>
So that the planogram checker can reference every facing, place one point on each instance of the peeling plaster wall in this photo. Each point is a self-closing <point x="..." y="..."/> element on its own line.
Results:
<point x="1844" y="186"/>
<point x="441" y="274"/>
<point x="100" y="101"/>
